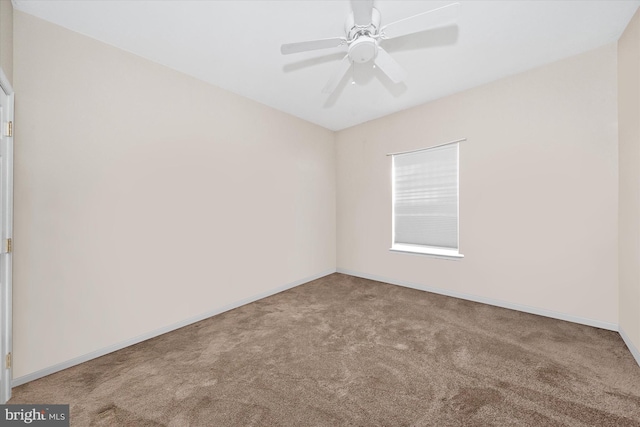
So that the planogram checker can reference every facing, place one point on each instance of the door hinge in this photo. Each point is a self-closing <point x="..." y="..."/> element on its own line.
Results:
<point x="8" y="361"/>
<point x="9" y="131"/>
<point x="9" y="245"/>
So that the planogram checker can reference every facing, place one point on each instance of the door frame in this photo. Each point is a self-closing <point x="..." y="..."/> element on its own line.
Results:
<point x="6" y="256"/>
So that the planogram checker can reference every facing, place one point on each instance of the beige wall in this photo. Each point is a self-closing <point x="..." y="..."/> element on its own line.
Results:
<point x="538" y="190"/>
<point x="629" y="208"/>
<point x="6" y="38"/>
<point x="144" y="197"/>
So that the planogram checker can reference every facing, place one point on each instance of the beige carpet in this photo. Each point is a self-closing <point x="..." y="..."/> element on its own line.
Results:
<point x="344" y="351"/>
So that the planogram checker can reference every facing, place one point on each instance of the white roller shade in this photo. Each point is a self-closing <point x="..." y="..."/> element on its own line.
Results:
<point x="425" y="199"/>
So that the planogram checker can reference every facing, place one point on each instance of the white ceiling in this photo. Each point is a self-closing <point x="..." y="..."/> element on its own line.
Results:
<point x="236" y="45"/>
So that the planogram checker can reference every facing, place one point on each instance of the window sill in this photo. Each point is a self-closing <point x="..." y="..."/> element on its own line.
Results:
<point x="433" y="252"/>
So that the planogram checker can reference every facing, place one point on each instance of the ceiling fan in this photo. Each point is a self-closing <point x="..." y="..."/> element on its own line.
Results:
<point x="363" y="35"/>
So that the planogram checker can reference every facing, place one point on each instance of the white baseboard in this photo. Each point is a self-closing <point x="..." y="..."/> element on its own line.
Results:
<point x="490" y="301"/>
<point x="106" y="350"/>
<point x="632" y="348"/>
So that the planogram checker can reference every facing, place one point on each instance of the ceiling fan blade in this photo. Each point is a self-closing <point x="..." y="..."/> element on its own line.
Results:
<point x="389" y="66"/>
<point x="423" y="21"/>
<point x="337" y="77"/>
<point x="289" y="48"/>
<point x="362" y="10"/>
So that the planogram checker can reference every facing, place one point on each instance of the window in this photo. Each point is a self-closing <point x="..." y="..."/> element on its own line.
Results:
<point x="425" y="201"/>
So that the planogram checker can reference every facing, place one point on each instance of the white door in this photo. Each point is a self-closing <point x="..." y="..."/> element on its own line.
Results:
<point x="6" y="233"/>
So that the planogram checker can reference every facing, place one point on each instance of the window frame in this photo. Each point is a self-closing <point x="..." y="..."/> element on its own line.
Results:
<point x="432" y="251"/>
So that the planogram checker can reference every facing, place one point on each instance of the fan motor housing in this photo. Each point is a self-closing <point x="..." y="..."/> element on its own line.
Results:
<point x="351" y="29"/>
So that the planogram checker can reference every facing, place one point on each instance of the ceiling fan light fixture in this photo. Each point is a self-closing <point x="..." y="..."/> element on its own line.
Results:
<point x="363" y="49"/>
